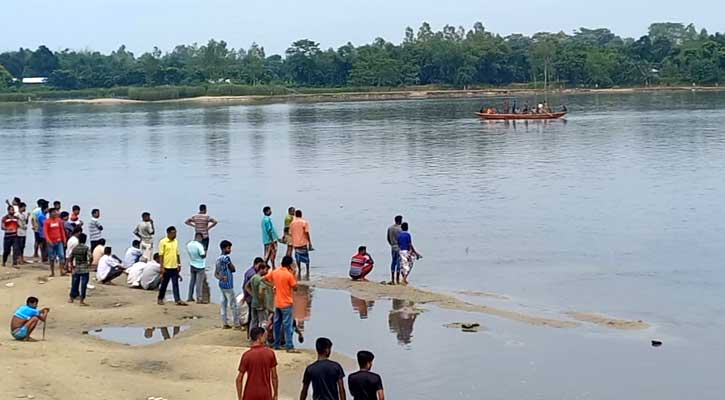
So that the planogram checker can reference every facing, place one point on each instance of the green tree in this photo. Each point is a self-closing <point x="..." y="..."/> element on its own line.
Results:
<point x="6" y="80"/>
<point x="41" y="63"/>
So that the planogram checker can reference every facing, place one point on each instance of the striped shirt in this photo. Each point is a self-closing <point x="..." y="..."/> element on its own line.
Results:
<point x="81" y="258"/>
<point x="222" y="270"/>
<point x="201" y="224"/>
<point x="95" y="229"/>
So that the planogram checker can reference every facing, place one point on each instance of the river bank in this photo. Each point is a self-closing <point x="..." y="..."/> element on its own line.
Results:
<point x="412" y="94"/>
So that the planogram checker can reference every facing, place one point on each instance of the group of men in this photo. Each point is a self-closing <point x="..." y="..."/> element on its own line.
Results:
<point x="324" y="376"/>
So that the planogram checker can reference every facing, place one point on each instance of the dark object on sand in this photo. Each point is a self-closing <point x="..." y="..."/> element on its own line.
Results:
<point x="472" y="325"/>
<point x="656" y="343"/>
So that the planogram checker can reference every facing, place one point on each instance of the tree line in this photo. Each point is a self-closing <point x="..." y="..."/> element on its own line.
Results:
<point x="670" y="53"/>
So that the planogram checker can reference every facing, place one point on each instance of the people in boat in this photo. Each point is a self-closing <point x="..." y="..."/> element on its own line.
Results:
<point x="525" y="109"/>
<point x="26" y="318"/>
<point x="540" y="108"/>
<point x="564" y="109"/>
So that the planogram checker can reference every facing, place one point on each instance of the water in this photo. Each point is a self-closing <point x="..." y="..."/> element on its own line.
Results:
<point x="617" y="211"/>
<point x="137" y="335"/>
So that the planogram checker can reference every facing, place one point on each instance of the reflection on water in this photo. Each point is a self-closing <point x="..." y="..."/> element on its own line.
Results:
<point x="302" y="301"/>
<point x="361" y="306"/>
<point x="138" y="336"/>
<point x="401" y="319"/>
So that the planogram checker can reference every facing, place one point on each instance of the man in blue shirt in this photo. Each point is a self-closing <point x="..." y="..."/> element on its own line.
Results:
<point x="26" y="318"/>
<point x="197" y="259"/>
<point x="408" y="254"/>
<point x="224" y="272"/>
<point x="269" y="237"/>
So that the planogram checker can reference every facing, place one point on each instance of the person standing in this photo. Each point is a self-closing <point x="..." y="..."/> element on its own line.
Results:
<point x="259" y="364"/>
<point x="11" y="244"/>
<point x="269" y="237"/>
<point x="37" y="228"/>
<point x="75" y="215"/>
<point x="80" y="260"/>
<point x="284" y="282"/>
<point x="301" y="241"/>
<point x="73" y="241"/>
<point x="22" y="216"/>
<point x="262" y="297"/>
<point x="224" y="272"/>
<point x="197" y="268"/>
<point x="363" y="384"/>
<point x="325" y="376"/>
<point x="202" y="223"/>
<point x="170" y="266"/>
<point x="408" y="254"/>
<point x="145" y="232"/>
<point x="95" y="229"/>
<point x="54" y="233"/>
<point x="287" y="237"/>
<point x="361" y="264"/>
<point x="42" y="217"/>
<point x="393" y="232"/>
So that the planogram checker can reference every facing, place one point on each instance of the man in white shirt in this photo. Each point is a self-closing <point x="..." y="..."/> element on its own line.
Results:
<point x="109" y="268"/>
<point x="133" y="254"/>
<point x="151" y="276"/>
<point x="145" y="232"/>
<point x="134" y="274"/>
<point x="72" y="243"/>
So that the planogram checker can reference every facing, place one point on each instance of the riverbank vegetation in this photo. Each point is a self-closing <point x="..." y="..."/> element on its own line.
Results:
<point x="670" y="54"/>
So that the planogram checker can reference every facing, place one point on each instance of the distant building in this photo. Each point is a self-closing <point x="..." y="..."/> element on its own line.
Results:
<point x="35" y="81"/>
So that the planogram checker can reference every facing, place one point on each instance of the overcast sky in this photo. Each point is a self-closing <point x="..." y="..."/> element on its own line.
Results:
<point x="141" y="24"/>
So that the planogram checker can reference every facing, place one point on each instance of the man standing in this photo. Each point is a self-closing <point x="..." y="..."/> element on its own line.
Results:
<point x="361" y="264"/>
<point x="197" y="269"/>
<point x="42" y="217"/>
<point x="260" y="365"/>
<point x="287" y="237"/>
<point x="26" y="318"/>
<point x="145" y="232"/>
<point x="246" y="289"/>
<point x="109" y="268"/>
<point x="408" y="254"/>
<point x="224" y="272"/>
<point x="262" y="297"/>
<point x="54" y="233"/>
<point x="393" y="232"/>
<point x="22" y="230"/>
<point x="301" y="241"/>
<point x="365" y="385"/>
<point x="10" y="238"/>
<point x="95" y="229"/>
<point x="284" y="282"/>
<point x="37" y="228"/>
<point x="73" y="241"/>
<point x="325" y="375"/>
<point x="202" y="223"/>
<point x="269" y="237"/>
<point x="80" y="260"/>
<point x="170" y="266"/>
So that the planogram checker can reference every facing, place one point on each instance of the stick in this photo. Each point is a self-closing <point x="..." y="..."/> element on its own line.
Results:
<point x="43" y="330"/>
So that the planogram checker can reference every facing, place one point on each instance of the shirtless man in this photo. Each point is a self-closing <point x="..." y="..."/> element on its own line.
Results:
<point x="26" y="318"/>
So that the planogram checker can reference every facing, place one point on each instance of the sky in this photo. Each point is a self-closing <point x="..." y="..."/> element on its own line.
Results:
<point x="104" y="25"/>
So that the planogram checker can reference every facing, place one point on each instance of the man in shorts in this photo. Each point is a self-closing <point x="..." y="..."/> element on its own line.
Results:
<point x="26" y="318"/>
<point x="54" y="233"/>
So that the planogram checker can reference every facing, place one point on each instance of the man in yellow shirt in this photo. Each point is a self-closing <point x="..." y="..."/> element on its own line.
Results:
<point x="170" y="266"/>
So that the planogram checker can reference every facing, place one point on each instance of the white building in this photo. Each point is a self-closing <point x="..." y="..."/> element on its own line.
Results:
<point x="35" y="81"/>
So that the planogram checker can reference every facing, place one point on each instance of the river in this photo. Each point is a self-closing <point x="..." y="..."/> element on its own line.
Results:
<point x="618" y="210"/>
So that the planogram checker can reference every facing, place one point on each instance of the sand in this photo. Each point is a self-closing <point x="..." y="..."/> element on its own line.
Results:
<point x="200" y="363"/>
<point x="373" y="291"/>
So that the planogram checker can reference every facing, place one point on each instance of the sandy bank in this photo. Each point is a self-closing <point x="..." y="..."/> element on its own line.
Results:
<point x="387" y="95"/>
<point x="200" y="363"/>
<point x="373" y="291"/>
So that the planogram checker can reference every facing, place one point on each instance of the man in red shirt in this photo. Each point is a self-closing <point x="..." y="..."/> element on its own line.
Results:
<point x="55" y="236"/>
<point x="260" y="365"/>
<point x="11" y="243"/>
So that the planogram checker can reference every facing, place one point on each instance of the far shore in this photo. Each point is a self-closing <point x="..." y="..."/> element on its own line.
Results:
<point x="412" y="94"/>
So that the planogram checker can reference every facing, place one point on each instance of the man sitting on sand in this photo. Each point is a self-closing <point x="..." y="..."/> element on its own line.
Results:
<point x="361" y="264"/>
<point x="151" y="276"/>
<point x="26" y="319"/>
<point x="109" y="267"/>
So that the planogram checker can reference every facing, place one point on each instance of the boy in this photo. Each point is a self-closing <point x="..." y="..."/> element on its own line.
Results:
<point x="365" y="385"/>
<point x="26" y="318"/>
<point x="54" y="233"/>
<point x="259" y="363"/>
<point x="95" y="229"/>
<point x="325" y="376"/>
<point x="75" y="216"/>
<point x="80" y="260"/>
<point x="408" y="254"/>
<point x="224" y="272"/>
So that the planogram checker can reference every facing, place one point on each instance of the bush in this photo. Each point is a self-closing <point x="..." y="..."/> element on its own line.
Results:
<point x="165" y="92"/>
<point x="247" y="90"/>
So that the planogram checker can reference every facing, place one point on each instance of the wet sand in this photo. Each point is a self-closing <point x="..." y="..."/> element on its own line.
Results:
<point x="200" y="363"/>
<point x="373" y="291"/>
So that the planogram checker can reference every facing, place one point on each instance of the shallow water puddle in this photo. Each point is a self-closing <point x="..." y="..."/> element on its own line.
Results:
<point x="137" y="335"/>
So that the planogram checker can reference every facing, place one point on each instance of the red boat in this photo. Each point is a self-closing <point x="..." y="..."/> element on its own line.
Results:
<point x="507" y="117"/>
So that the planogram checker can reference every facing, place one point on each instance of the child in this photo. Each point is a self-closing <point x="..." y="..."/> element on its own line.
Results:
<point x="224" y="272"/>
<point x="95" y="229"/>
<point x="75" y="216"/>
<point x="81" y="259"/>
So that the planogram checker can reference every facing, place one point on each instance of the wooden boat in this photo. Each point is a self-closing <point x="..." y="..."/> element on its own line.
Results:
<point x="508" y="117"/>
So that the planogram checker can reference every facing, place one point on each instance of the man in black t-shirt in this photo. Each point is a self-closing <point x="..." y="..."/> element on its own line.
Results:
<point x="325" y="375"/>
<point x="365" y="385"/>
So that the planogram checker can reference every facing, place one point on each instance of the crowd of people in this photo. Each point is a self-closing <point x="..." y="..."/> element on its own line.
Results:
<point x="265" y="308"/>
